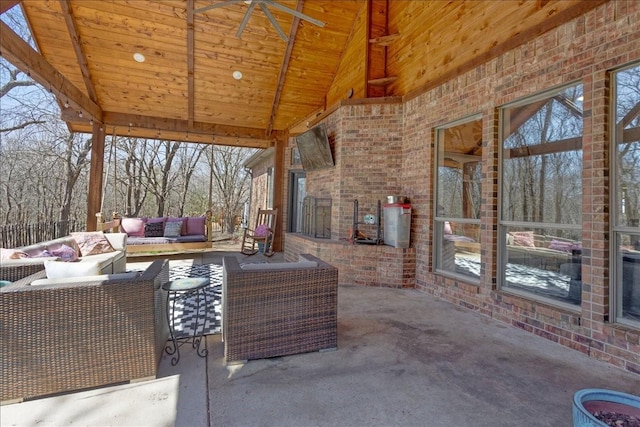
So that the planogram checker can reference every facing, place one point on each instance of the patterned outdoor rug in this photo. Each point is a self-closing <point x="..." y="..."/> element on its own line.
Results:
<point x="185" y="308"/>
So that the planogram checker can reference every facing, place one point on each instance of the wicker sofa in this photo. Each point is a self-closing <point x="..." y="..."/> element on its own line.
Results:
<point x="81" y="334"/>
<point x="278" y="309"/>
<point x="110" y="262"/>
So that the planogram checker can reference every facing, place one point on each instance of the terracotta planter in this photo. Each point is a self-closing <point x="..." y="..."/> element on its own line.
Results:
<point x="588" y="401"/>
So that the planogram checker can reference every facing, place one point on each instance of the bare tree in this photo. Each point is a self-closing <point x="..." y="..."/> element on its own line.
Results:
<point x="188" y="162"/>
<point x="232" y="182"/>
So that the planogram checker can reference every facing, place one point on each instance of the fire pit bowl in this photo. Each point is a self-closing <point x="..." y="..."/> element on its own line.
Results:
<point x="589" y="401"/>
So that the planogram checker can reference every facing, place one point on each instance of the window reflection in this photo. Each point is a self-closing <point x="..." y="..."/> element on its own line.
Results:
<point x="541" y="195"/>
<point x="540" y="262"/>
<point x="626" y="160"/>
<point x="458" y="191"/>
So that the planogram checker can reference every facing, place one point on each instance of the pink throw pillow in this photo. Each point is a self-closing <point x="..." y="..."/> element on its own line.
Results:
<point x="523" y="238"/>
<point x="447" y="228"/>
<point x="195" y="226"/>
<point x="132" y="226"/>
<point x="161" y="219"/>
<point x="65" y="253"/>
<point x="92" y="243"/>
<point x="6" y="254"/>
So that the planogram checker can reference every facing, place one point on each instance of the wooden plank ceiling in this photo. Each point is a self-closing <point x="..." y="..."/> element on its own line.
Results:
<point x="185" y="90"/>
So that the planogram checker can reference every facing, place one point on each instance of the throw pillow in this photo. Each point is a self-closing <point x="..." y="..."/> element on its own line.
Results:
<point x="523" y="238"/>
<point x="6" y="254"/>
<point x="195" y="225"/>
<point x="61" y="269"/>
<point x="559" y="245"/>
<point x="173" y="229"/>
<point x="447" y="228"/>
<point x="92" y="243"/>
<point x="132" y="226"/>
<point x="65" y="253"/>
<point x="183" y="219"/>
<point x="154" y="229"/>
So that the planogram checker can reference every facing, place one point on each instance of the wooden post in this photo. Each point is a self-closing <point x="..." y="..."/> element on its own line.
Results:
<point x="94" y="198"/>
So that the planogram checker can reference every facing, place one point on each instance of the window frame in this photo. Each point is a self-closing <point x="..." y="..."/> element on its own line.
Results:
<point x="504" y="225"/>
<point x="438" y="232"/>
<point x="615" y="229"/>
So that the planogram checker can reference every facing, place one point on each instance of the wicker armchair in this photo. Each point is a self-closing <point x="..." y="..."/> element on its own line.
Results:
<point x="19" y="271"/>
<point x="278" y="311"/>
<point x="73" y="336"/>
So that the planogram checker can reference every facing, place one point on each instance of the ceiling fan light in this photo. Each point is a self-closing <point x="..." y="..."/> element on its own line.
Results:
<point x="237" y="75"/>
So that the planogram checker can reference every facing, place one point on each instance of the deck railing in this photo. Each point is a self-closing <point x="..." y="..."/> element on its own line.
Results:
<point x="16" y="235"/>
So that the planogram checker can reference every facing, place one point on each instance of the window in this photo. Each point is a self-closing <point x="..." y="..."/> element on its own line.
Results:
<point x="626" y="196"/>
<point x="297" y="193"/>
<point x="269" y="188"/>
<point x="457" y="217"/>
<point x="541" y="196"/>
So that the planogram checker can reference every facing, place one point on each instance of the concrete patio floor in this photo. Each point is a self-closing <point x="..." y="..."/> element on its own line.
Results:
<point x="404" y="358"/>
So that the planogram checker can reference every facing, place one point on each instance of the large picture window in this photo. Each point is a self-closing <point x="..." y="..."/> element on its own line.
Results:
<point x="541" y="196"/>
<point x="626" y="215"/>
<point x="457" y="216"/>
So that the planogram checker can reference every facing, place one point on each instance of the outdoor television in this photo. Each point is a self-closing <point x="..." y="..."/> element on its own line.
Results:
<point x="315" y="151"/>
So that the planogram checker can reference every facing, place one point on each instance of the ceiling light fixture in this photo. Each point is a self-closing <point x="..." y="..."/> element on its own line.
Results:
<point x="138" y="57"/>
<point x="237" y="75"/>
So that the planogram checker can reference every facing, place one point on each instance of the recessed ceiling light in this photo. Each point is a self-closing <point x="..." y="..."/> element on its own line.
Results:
<point x="237" y="75"/>
<point x="138" y="57"/>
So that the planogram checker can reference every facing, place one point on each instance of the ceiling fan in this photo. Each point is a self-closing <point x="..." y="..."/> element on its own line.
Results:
<point x="263" y="5"/>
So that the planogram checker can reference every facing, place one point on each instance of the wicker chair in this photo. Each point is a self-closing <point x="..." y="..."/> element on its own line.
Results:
<point x="16" y="272"/>
<point x="278" y="311"/>
<point x="73" y="336"/>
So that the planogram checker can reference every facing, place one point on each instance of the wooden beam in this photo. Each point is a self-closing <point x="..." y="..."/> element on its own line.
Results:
<point x="177" y="125"/>
<point x="529" y="34"/>
<point x="7" y="4"/>
<point x="72" y="28"/>
<point x="278" y="190"/>
<point x="22" y="56"/>
<point x="282" y="74"/>
<point x="190" y="65"/>
<point x="175" y="130"/>
<point x="383" y="81"/>
<point x="519" y="115"/>
<point x="94" y="198"/>
<point x="376" y="57"/>
<point x="384" y="40"/>
<point x="569" y="144"/>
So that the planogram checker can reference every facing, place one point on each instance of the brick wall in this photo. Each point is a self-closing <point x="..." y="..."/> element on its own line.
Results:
<point x="388" y="149"/>
<point x="584" y="49"/>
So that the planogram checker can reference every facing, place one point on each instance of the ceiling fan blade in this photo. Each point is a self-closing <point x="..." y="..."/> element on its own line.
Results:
<point x="294" y="13"/>
<point x="273" y="21"/>
<point x="217" y="5"/>
<point x="245" y="19"/>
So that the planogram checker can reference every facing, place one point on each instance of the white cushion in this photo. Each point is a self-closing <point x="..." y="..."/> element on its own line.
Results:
<point x="118" y="240"/>
<point x="60" y="269"/>
<point x="99" y="278"/>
